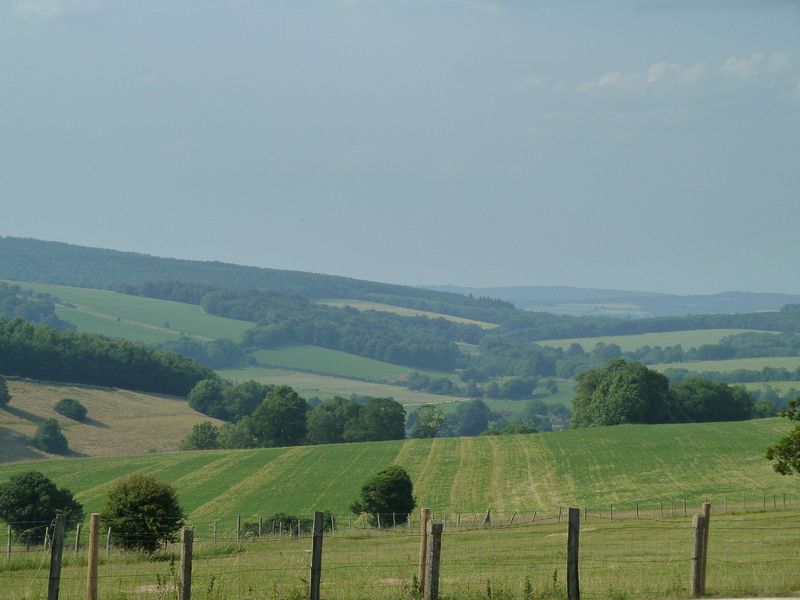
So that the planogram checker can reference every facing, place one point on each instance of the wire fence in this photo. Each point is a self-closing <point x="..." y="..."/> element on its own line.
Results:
<point x="504" y="557"/>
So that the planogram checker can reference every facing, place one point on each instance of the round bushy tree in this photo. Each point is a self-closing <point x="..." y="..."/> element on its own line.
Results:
<point x="5" y="395"/>
<point x="143" y="513"/>
<point x="49" y="438"/>
<point x="71" y="408"/>
<point x="29" y="502"/>
<point x="388" y="492"/>
<point x="204" y="436"/>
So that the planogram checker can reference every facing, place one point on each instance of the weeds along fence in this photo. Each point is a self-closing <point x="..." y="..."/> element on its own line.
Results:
<point x="467" y="555"/>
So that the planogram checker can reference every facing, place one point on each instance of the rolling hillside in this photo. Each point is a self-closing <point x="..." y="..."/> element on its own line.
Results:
<point x="588" y="467"/>
<point x="120" y="422"/>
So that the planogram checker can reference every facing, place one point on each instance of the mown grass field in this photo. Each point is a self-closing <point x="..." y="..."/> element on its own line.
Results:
<point x="589" y="467"/>
<point x="405" y="312"/>
<point x="140" y="319"/>
<point x="334" y="362"/>
<point x="119" y="422"/>
<point x="722" y="366"/>
<point x="310" y="385"/>
<point x="628" y="343"/>
<point x="749" y="554"/>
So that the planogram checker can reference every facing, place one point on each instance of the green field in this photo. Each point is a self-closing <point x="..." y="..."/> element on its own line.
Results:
<point x="781" y="387"/>
<point x="404" y="312"/>
<point x="722" y="366"/>
<point x="587" y="467"/>
<point x="311" y="385"/>
<point x="333" y="362"/>
<point x="629" y="343"/>
<point x="135" y="317"/>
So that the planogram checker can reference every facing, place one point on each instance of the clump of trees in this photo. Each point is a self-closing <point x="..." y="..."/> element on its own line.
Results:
<point x="29" y="502"/>
<point x="224" y="400"/>
<point x="71" y="408"/>
<point x="283" y="418"/>
<point x="49" y="438"/>
<point x="628" y="392"/>
<point x="785" y="454"/>
<point x="143" y="513"/>
<point x="388" y="492"/>
<point x="41" y="352"/>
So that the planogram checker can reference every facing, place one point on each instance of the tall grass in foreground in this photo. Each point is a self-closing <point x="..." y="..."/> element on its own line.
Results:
<point x="749" y="554"/>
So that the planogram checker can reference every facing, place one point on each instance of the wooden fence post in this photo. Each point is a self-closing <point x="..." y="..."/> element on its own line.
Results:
<point x="637" y="511"/>
<point x="573" y="540"/>
<point x="187" y="540"/>
<point x="260" y="526"/>
<point x="698" y="523"/>
<point x="215" y="531"/>
<point x="316" y="555"/>
<point x="56" y="552"/>
<point x="77" y="538"/>
<point x="706" y="528"/>
<point x="238" y="528"/>
<point x="94" y="547"/>
<point x="425" y="516"/>
<point x="511" y="522"/>
<point x="487" y="519"/>
<point x="108" y="542"/>
<point x="431" y="590"/>
<point x="661" y="505"/>
<point x="8" y="548"/>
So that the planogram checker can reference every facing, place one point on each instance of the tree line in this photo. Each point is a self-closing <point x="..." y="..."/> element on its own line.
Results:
<point x="31" y="306"/>
<point x="41" y="352"/>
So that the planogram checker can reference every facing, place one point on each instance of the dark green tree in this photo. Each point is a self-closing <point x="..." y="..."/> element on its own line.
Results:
<point x="379" y="419"/>
<point x="471" y="418"/>
<point x="143" y="513"/>
<point x="49" y="438"/>
<point x="702" y="400"/>
<point x="328" y="421"/>
<point x="208" y="397"/>
<point x="281" y="419"/>
<point x="71" y="408"/>
<point x="785" y="454"/>
<point x="621" y="392"/>
<point x="5" y="395"/>
<point x="204" y="436"/>
<point x="29" y="501"/>
<point x="388" y="492"/>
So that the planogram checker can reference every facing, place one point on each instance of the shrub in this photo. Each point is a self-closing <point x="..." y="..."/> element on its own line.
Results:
<point x="29" y="501"/>
<point x="204" y="436"/>
<point x="389" y="491"/>
<point x="5" y="396"/>
<point x="49" y="438"/>
<point x="72" y="409"/>
<point x="143" y="513"/>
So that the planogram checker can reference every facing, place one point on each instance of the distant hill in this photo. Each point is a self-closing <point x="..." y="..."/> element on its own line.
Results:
<point x="627" y="304"/>
<point x="55" y="262"/>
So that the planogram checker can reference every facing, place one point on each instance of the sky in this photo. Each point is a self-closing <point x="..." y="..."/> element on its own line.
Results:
<point x="643" y="144"/>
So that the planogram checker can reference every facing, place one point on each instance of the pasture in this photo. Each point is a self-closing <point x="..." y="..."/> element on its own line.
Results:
<point x="311" y="385"/>
<point x="722" y="366"/>
<point x="628" y="343"/>
<point x="591" y="468"/>
<point x="404" y="312"/>
<point x="621" y="559"/>
<point x="120" y="422"/>
<point x="135" y="317"/>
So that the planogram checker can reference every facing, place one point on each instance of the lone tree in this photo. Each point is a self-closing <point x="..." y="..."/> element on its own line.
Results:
<point x="389" y="493"/>
<point x="143" y="513"/>
<point x="785" y="454"/>
<point x="204" y="436"/>
<point x="5" y="396"/>
<point x="29" y="502"/>
<point x="49" y="438"/>
<point x="281" y="419"/>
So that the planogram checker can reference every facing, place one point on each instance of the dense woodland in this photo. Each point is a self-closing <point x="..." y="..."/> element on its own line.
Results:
<point x="40" y="352"/>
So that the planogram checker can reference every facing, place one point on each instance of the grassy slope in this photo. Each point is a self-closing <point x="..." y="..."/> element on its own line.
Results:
<point x="589" y="467"/>
<point x="628" y="343"/>
<point x="120" y="422"/>
<point x="405" y="312"/>
<point x="141" y="319"/>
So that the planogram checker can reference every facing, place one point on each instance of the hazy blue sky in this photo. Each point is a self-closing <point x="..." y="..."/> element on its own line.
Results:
<point x="640" y="145"/>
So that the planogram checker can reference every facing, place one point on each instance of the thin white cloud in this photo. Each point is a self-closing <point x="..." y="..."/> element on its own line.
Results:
<point x="664" y="78"/>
